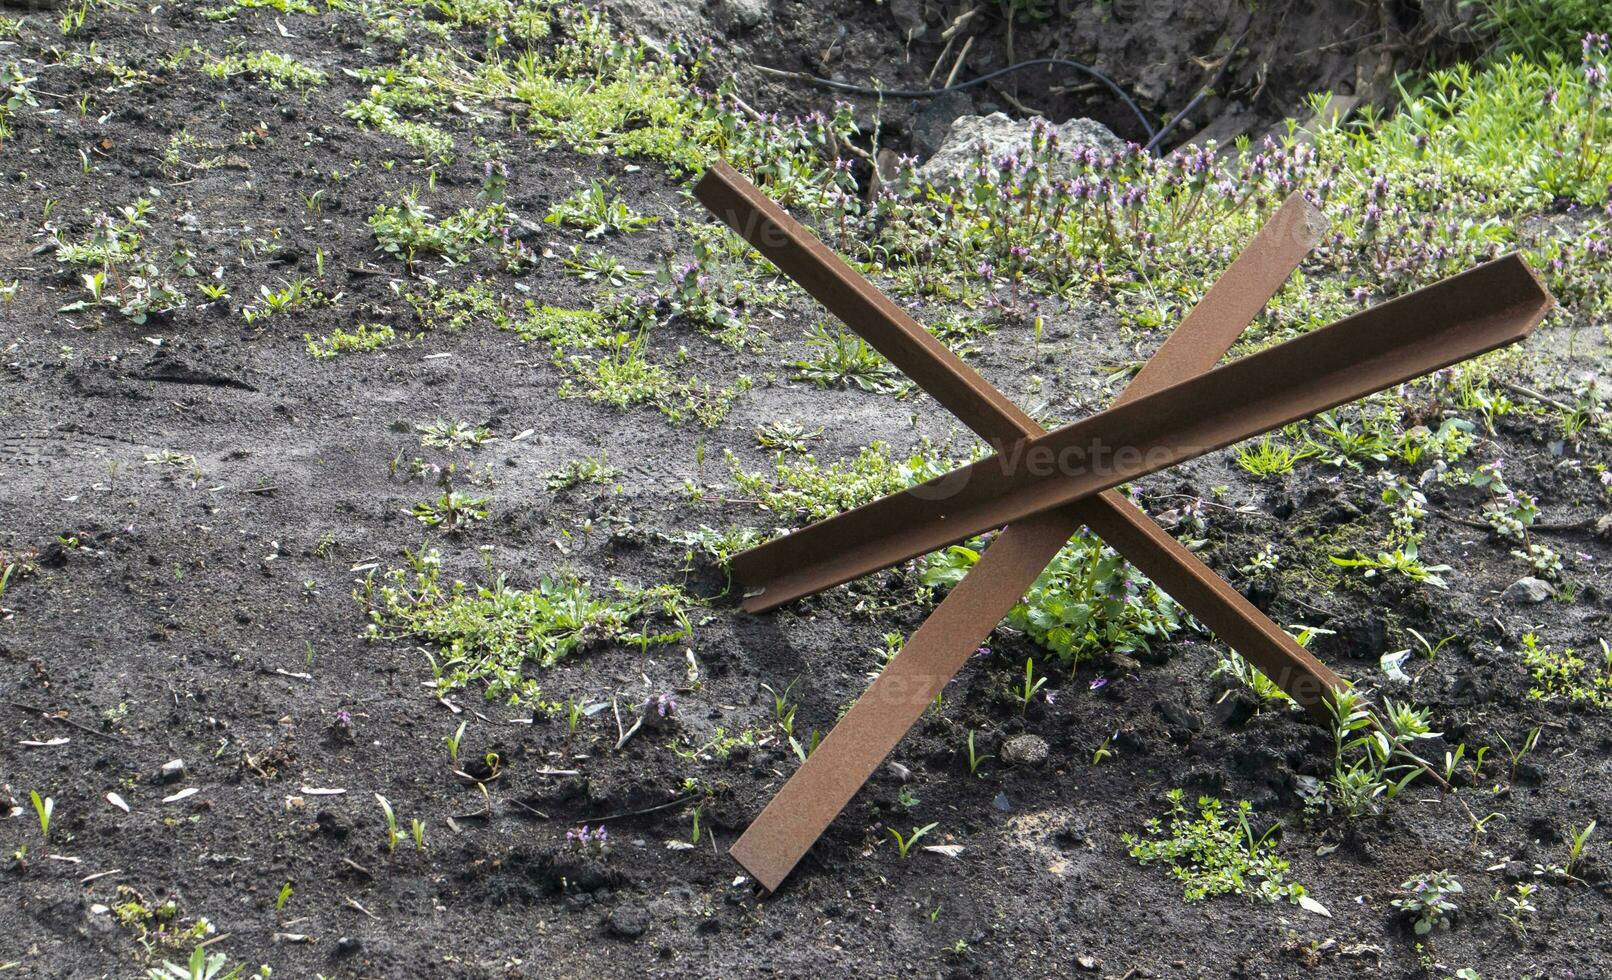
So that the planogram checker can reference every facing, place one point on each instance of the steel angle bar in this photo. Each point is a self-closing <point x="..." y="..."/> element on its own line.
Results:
<point x="1485" y="308"/>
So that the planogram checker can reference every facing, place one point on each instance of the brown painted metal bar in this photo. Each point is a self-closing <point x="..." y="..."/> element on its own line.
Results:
<point x="1196" y="346"/>
<point x="819" y="790"/>
<point x="1485" y="308"/>
<point x="806" y="260"/>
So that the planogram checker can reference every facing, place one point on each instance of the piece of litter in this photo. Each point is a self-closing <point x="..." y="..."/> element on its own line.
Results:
<point x="679" y="845"/>
<point x="117" y="801"/>
<point x="322" y="791"/>
<point x="50" y="743"/>
<point x="950" y="850"/>
<point x="183" y="794"/>
<point x="1309" y="904"/>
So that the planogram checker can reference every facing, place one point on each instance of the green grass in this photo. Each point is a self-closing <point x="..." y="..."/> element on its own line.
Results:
<point x="276" y="71"/>
<point x="492" y="638"/>
<point x="803" y="489"/>
<point x="367" y="338"/>
<point x="1213" y="854"/>
<point x="1564" y="675"/>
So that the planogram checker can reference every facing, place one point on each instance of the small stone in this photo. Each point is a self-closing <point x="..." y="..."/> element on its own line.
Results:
<point x="172" y="771"/>
<point x="959" y="151"/>
<point x="629" y="921"/>
<point x="1088" y="962"/>
<point x="348" y="945"/>
<point x="1180" y="717"/>
<point x="333" y="824"/>
<point x="1025" y="750"/>
<point x="1530" y="591"/>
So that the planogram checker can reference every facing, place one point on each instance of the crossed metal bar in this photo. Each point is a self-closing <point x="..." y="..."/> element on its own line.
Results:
<point x="1045" y="486"/>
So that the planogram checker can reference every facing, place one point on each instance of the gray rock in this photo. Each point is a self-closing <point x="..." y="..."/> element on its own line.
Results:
<point x="629" y="921"/>
<point x="172" y="771"/>
<point x="1025" y="750"/>
<point x="658" y="20"/>
<point x="909" y="16"/>
<point x="1529" y="591"/>
<point x="736" y="16"/>
<point x="1001" y="134"/>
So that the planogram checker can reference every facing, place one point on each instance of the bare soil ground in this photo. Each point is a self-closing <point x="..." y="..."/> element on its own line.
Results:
<point x="205" y="611"/>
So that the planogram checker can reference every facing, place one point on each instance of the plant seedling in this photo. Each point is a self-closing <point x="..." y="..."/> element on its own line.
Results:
<point x="45" y="808"/>
<point x="1032" y="684"/>
<point x="1580" y="839"/>
<point x="904" y="844"/>
<point x="974" y="758"/>
<point x="392" y="836"/>
<point x="282" y="898"/>
<point x="453" y="743"/>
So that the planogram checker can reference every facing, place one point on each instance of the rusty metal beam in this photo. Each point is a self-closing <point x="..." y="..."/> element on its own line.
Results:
<point x="911" y="348"/>
<point x="817" y="792"/>
<point x="1203" y="337"/>
<point x="1485" y="308"/>
<point x="810" y="800"/>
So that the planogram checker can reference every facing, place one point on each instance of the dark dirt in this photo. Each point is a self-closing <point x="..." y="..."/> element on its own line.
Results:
<point x="1162" y="54"/>
<point x="197" y="613"/>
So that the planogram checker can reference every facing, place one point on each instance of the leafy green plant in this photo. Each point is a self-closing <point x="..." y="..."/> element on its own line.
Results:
<point x="442" y="434"/>
<point x="1565" y="675"/>
<point x="453" y="742"/>
<point x="588" y="469"/>
<point x="407" y="230"/>
<point x="843" y="359"/>
<point x="201" y="966"/>
<point x="785" y="436"/>
<point x="1404" y="560"/>
<point x="597" y="209"/>
<point x="1213" y="855"/>
<point x="1428" y="900"/>
<point x="1087" y="602"/>
<point x="1373" y="757"/>
<point x="455" y="510"/>
<point x="802" y="488"/>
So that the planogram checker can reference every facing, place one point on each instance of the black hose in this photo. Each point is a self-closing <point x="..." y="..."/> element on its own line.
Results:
<point x="1203" y="93"/>
<point x="898" y="93"/>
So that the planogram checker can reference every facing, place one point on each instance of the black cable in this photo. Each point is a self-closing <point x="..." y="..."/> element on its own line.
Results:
<point x="981" y="80"/>
<point x="1203" y="93"/>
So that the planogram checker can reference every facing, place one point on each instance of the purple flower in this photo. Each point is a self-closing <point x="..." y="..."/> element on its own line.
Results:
<point x="1098" y="683"/>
